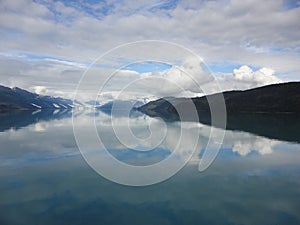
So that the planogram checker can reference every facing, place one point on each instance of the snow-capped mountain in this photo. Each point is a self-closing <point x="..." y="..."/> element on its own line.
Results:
<point x="19" y="99"/>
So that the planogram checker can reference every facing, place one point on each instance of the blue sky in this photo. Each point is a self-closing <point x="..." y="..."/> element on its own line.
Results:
<point x="148" y="67"/>
<point x="46" y="40"/>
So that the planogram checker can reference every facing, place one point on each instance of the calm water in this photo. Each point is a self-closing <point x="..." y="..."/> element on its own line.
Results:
<point x="45" y="180"/>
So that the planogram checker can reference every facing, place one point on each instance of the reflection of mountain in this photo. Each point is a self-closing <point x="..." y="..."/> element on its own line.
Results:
<point x="23" y="118"/>
<point x="275" y="126"/>
<point x="12" y="99"/>
<point x="272" y="111"/>
<point x="120" y="108"/>
<point x="93" y="103"/>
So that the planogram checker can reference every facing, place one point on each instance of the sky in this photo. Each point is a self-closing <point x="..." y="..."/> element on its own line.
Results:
<point x="47" y="45"/>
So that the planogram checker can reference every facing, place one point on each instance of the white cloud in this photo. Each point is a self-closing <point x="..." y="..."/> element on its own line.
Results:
<point x="40" y="76"/>
<point x="41" y="90"/>
<point x="179" y="81"/>
<point x="244" y="78"/>
<point x="216" y="30"/>
<point x="188" y="79"/>
<point x="260" y="77"/>
<point x="242" y="32"/>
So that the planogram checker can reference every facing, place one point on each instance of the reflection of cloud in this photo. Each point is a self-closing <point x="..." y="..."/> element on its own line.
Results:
<point x="40" y="126"/>
<point x="151" y="132"/>
<point x="154" y="132"/>
<point x="245" y="143"/>
<point x="40" y="141"/>
<point x="261" y="145"/>
<point x="240" y="142"/>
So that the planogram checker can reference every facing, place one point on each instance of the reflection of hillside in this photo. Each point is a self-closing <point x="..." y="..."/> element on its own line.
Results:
<point x="120" y="108"/>
<point x="23" y="118"/>
<point x="284" y="127"/>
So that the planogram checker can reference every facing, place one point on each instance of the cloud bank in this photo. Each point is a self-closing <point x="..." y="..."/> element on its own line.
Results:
<point x="48" y="43"/>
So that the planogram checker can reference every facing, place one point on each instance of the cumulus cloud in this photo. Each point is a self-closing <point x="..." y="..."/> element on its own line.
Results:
<point x="244" y="77"/>
<point x="190" y="79"/>
<point x="260" y="77"/>
<point x="41" y="90"/>
<point x="184" y="80"/>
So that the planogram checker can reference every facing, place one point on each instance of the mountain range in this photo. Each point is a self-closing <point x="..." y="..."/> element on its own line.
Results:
<point x="15" y="99"/>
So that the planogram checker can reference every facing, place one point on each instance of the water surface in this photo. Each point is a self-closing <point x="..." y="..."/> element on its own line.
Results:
<point x="45" y="180"/>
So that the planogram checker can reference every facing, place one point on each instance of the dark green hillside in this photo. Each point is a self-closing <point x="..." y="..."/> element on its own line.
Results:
<point x="277" y="98"/>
